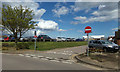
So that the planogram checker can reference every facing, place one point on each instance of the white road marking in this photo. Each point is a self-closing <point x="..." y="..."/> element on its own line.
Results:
<point x="35" y="57"/>
<point x="27" y="56"/>
<point x="32" y="55"/>
<point x="44" y="59"/>
<point x="66" y="62"/>
<point x="40" y="56"/>
<point x="20" y="54"/>
<point x="55" y="60"/>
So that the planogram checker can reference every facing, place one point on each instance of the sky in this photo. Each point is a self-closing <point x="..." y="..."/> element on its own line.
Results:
<point x="69" y="19"/>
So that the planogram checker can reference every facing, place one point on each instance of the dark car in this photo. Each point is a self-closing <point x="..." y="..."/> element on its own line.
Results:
<point x="79" y="39"/>
<point x="44" y="38"/>
<point x="104" y="45"/>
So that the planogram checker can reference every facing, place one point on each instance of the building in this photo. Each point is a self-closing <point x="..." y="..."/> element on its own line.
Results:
<point x="95" y="37"/>
<point x="117" y="37"/>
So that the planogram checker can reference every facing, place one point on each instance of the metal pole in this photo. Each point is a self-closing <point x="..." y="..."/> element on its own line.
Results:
<point x="35" y="43"/>
<point x="88" y="43"/>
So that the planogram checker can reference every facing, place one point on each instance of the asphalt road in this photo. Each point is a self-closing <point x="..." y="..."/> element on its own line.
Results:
<point x="15" y="62"/>
<point x="58" y="59"/>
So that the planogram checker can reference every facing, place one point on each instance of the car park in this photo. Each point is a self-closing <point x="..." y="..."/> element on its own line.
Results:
<point x="105" y="45"/>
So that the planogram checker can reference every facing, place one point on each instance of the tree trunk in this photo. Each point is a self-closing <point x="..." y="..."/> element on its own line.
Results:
<point x="16" y="40"/>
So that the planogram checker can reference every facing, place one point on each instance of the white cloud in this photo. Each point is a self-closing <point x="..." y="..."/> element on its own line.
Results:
<point x="106" y="11"/>
<point x="115" y="29"/>
<point x="47" y="25"/>
<point x="62" y="30"/>
<point x="101" y="6"/>
<point x="80" y="18"/>
<point x="39" y="13"/>
<point x="43" y="27"/>
<point x="95" y="13"/>
<point x="58" y="11"/>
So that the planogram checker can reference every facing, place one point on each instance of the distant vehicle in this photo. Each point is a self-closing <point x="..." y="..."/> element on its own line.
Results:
<point x="5" y="38"/>
<point x="79" y="39"/>
<point x="104" y="45"/>
<point x="29" y="38"/>
<point x="68" y="39"/>
<point x="73" y="39"/>
<point x="43" y="37"/>
<point x="58" y="39"/>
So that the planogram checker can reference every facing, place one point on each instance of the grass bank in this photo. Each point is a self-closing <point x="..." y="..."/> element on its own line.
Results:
<point x="42" y="46"/>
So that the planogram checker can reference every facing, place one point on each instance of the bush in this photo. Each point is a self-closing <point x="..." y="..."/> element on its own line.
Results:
<point x="8" y="44"/>
<point x="23" y="45"/>
<point x="5" y="45"/>
<point x="20" y="45"/>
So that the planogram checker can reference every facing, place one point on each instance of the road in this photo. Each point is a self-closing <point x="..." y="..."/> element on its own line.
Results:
<point x="42" y="61"/>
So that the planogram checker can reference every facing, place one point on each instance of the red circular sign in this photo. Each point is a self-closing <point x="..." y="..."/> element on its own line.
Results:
<point x="88" y="29"/>
<point x="35" y="36"/>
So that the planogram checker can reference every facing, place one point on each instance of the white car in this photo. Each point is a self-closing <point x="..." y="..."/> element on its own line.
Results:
<point x="59" y="39"/>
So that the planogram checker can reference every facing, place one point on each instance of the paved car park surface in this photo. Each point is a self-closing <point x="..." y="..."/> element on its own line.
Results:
<point x="58" y="59"/>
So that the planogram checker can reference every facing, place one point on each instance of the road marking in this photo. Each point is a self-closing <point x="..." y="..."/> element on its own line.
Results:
<point x="55" y="60"/>
<point x="35" y="57"/>
<point x="27" y="56"/>
<point x="49" y="57"/>
<point x="66" y="62"/>
<point x="20" y="54"/>
<point x="40" y="56"/>
<point x="44" y="59"/>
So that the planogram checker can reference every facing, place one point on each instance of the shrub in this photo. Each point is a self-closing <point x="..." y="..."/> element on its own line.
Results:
<point x="23" y="45"/>
<point x="8" y="44"/>
<point x="5" y="45"/>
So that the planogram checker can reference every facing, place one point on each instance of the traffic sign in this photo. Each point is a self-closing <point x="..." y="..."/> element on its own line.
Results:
<point x="35" y="36"/>
<point x="88" y="29"/>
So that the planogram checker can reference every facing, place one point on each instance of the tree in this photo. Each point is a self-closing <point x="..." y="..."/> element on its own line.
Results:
<point x="17" y="20"/>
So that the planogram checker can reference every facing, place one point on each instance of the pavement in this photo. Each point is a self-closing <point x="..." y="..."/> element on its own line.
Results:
<point x="58" y="59"/>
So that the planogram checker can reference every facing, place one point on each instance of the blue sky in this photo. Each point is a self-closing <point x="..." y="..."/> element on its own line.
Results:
<point x="69" y="19"/>
<point x="76" y="30"/>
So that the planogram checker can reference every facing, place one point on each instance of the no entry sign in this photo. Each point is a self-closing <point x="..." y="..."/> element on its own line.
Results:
<point x="88" y="29"/>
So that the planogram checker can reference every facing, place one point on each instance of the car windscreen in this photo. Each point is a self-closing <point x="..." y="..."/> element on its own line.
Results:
<point x="106" y="42"/>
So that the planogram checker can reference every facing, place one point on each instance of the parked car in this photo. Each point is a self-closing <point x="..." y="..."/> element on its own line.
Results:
<point x="73" y="39"/>
<point x="79" y="39"/>
<point x="58" y="39"/>
<point x="104" y="45"/>
<point x="43" y="37"/>
<point x="68" y="39"/>
<point x="29" y="38"/>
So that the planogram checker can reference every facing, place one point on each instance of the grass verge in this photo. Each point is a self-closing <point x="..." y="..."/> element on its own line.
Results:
<point x="42" y="46"/>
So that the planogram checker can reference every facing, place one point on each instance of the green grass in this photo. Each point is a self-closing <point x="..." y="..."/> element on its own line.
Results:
<point x="42" y="46"/>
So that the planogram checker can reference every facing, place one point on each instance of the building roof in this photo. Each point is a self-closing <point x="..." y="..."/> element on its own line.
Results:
<point x="95" y="36"/>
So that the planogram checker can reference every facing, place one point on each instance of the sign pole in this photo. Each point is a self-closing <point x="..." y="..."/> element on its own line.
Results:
<point x="35" y="40"/>
<point x="35" y="43"/>
<point x="88" y="30"/>
<point x="88" y="43"/>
